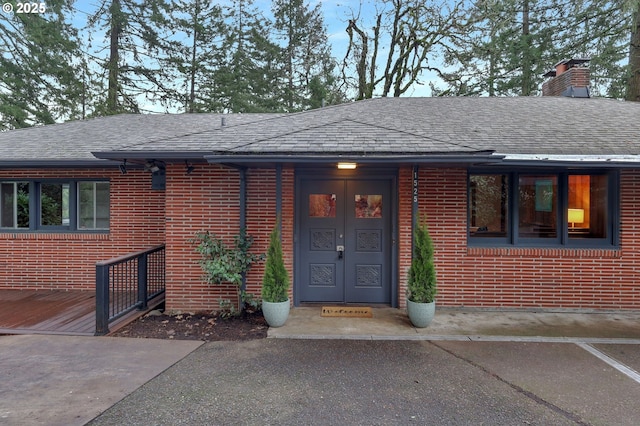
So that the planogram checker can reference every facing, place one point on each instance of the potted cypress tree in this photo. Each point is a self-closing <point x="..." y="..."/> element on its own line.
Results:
<point x="421" y="286"/>
<point x="275" y="283"/>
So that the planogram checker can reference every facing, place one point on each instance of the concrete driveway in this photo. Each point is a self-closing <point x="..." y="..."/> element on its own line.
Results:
<point x="365" y="382"/>
<point x="467" y="368"/>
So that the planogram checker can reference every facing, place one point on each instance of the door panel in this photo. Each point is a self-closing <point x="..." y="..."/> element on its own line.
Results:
<point x="321" y="205"/>
<point x="354" y="214"/>
<point x="368" y="245"/>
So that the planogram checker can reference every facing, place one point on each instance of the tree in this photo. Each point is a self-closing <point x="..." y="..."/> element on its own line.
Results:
<point x="247" y="77"/>
<point x="514" y="42"/>
<point x="308" y="65"/>
<point x="195" y="51"/>
<point x="422" y="279"/>
<point x="275" y="281"/>
<point x="137" y="39"/>
<point x="38" y="68"/>
<point x="413" y="33"/>
<point x="633" y="84"/>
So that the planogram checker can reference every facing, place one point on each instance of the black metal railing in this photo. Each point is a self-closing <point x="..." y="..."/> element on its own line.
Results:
<point x="126" y="283"/>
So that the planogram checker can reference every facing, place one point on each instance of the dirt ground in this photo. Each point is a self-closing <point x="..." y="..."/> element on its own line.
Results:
<point x="200" y="326"/>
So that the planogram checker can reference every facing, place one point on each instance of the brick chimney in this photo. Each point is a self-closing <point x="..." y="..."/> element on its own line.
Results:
<point x="569" y="78"/>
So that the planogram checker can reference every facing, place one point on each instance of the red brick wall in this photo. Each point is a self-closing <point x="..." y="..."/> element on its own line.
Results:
<point x="64" y="260"/>
<point x="576" y="77"/>
<point x="521" y="277"/>
<point x="208" y="200"/>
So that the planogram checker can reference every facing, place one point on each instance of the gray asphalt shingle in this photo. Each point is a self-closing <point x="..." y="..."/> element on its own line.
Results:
<point x="517" y="125"/>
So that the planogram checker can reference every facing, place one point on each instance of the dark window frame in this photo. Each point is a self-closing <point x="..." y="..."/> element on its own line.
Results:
<point x="35" y="207"/>
<point x="562" y="240"/>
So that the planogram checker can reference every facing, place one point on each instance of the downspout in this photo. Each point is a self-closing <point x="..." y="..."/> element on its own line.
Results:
<point x="279" y="198"/>
<point x="243" y="221"/>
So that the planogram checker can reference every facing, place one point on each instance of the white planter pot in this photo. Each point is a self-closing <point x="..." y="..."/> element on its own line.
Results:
<point x="276" y="313"/>
<point x="421" y="314"/>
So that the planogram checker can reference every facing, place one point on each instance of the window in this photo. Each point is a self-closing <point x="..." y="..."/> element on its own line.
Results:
<point x="322" y="205"/>
<point x="488" y="205"/>
<point x="522" y="208"/>
<point x="368" y="206"/>
<point x="14" y="205"/>
<point x="538" y="206"/>
<point x="52" y="206"/>
<point x="93" y="205"/>
<point x="587" y="210"/>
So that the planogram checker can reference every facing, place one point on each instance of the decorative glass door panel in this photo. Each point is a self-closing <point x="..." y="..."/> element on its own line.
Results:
<point x="344" y="245"/>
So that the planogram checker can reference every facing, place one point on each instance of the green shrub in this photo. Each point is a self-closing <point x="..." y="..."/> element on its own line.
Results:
<point x="275" y="282"/>
<point x="421" y="286"/>
<point x="222" y="264"/>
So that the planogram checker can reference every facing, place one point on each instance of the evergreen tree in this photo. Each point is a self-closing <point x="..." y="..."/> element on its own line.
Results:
<point x="633" y="83"/>
<point x="514" y="42"/>
<point x="247" y="78"/>
<point x="421" y="285"/>
<point x="308" y="65"/>
<point x="195" y="51"/>
<point x="137" y="39"/>
<point x="275" y="282"/>
<point x="38" y="68"/>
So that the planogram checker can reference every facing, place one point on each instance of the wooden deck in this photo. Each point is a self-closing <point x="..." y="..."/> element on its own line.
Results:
<point x="52" y="312"/>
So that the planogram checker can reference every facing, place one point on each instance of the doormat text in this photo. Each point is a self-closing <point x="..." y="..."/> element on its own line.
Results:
<point x="347" y="311"/>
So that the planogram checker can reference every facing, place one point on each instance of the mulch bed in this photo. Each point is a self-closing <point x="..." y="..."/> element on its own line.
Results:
<point x="198" y="326"/>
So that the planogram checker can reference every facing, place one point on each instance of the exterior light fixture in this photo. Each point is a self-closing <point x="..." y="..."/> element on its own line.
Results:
<point x="189" y="167"/>
<point x="151" y="166"/>
<point x="123" y="167"/>
<point x="347" y="166"/>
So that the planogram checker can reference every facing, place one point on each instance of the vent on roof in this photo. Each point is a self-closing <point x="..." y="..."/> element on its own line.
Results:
<point x="570" y="77"/>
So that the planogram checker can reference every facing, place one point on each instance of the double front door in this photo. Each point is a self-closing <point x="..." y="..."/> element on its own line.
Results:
<point x="344" y="240"/>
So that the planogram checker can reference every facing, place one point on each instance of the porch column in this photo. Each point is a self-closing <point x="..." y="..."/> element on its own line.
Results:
<point x="243" y="219"/>
<point x="279" y="197"/>
<point x="414" y="204"/>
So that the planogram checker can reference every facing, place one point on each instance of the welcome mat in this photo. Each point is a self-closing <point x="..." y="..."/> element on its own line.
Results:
<point x="347" y="311"/>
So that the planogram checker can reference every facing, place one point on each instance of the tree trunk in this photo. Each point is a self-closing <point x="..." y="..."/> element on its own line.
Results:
<point x="633" y="84"/>
<point x="112" y="91"/>
<point x="192" y="77"/>
<point x="526" y="54"/>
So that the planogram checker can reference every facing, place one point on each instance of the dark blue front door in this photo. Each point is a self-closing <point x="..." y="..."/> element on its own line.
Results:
<point x="344" y="248"/>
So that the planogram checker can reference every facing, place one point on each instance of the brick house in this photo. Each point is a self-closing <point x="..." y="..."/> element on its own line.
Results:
<point x="531" y="202"/>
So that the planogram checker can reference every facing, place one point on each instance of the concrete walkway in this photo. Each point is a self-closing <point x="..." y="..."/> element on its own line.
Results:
<point x="69" y="380"/>
<point x="467" y="324"/>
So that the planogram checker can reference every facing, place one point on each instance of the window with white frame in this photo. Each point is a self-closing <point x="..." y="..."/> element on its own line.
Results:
<point x="48" y="205"/>
<point x="567" y="208"/>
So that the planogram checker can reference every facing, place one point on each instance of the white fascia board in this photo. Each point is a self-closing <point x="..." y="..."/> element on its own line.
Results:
<point x="624" y="158"/>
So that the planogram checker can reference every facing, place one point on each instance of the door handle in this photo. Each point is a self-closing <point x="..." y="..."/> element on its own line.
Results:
<point x="340" y="250"/>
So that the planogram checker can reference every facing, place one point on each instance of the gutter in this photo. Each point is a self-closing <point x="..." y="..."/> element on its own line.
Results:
<point x="590" y="161"/>
<point x="483" y="157"/>
<point x="12" y="164"/>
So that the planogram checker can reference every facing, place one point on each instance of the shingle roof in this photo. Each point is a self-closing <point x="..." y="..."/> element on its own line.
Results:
<point x="543" y="126"/>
